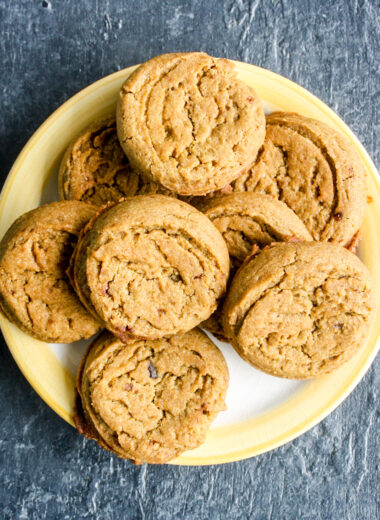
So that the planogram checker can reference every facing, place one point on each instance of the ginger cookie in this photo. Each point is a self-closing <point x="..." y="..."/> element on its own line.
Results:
<point x="35" y="293"/>
<point x="299" y="310"/>
<point x="149" y="401"/>
<point x="186" y="122"/>
<point x="95" y="169"/>
<point x="248" y="222"/>
<point x="150" y="266"/>
<point x="315" y="171"/>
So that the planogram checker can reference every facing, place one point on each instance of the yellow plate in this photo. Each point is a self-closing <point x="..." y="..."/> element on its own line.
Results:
<point x="50" y="371"/>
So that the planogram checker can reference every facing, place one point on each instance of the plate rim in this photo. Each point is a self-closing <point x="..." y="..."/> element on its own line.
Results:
<point x="309" y="423"/>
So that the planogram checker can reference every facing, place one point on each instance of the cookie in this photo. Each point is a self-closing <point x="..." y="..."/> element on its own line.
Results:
<point x="95" y="169"/>
<point x="299" y="310"/>
<point x="35" y="293"/>
<point x="150" y="267"/>
<point x="249" y="219"/>
<point x="188" y="123"/>
<point x="315" y="171"/>
<point x="248" y="222"/>
<point x="149" y="401"/>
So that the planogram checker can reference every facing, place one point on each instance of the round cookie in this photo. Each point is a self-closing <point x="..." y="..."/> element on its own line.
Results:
<point x="188" y="123"/>
<point x="35" y="293"/>
<point x="299" y="310"/>
<point x="150" y="266"/>
<point x="149" y="401"/>
<point x="315" y="171"/>
<point x="95" y="169"/>
<point x="248" y="222"/>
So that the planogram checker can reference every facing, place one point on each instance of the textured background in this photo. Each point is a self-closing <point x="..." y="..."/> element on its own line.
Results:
<point x="48" y="51"/>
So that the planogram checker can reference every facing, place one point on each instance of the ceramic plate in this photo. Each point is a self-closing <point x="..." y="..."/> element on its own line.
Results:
<point x="263" y="411"/>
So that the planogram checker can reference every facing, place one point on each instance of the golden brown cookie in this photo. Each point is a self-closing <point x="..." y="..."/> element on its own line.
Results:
<point x="149" y="401"/>
<point x="248" y="222"/>
<point x="95" y="169"/>
<point x="299" y="310"/>
<point x="315" y="171"/>
<point x="150" y="267"/>
<point x="35" y="293"/>
<point x="188" y="123"/>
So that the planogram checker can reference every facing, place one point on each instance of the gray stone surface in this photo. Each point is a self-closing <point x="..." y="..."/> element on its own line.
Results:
<point x="48" y="51"/>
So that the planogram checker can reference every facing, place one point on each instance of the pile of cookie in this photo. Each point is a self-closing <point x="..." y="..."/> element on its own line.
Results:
<point x="191" y="209"/>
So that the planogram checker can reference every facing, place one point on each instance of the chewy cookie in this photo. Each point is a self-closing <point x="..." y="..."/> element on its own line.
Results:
<point x="315" y="171"/>
<point x="185" y="121"/>
<point x="149" y="401"/>
<point x="95" y="169"/>
<point x="299" y="310"/>
<point x="248" y="222"/>
<point x="150" y="267"/>
<point x="35" y="293"/>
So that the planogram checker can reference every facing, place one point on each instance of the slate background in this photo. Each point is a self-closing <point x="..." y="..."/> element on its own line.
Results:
<point x="48" y="51"/>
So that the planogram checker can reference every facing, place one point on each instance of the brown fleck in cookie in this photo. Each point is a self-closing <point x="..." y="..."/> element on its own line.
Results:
<point x="355" y="241"/>
<point x="249" y="221"/>
<point x="315" y="171"/>
<point x="299" y="310"/>
<point x="150" y="266"/>
<point x="35" y="293"/>
<point x="95" y="169"/>
<point x="149" y="401"/>
<point x="188" y="123"/>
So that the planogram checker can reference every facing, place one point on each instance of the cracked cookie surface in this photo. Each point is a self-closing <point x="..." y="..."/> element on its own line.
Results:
<point x="149" y="401"/>
<point x="299" y="310"/>
<point x="35" y="293"/>
<point x="150" y="266"/>
<point x="248" y="222"/>
<point x="188" y="123"/>
<point x="95" y="169"/>
<point x="315" y="171"/>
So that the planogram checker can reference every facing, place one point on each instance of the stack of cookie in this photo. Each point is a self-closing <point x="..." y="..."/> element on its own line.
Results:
<point x="191" y="209"/>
